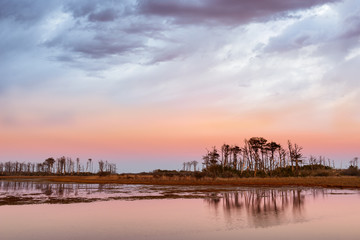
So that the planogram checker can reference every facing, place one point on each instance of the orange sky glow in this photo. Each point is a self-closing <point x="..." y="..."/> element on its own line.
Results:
<point x="151" y="89"/>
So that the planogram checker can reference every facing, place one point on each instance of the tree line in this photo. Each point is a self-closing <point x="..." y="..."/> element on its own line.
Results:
<point x="59" y="166"/>
<point x="187" y="165"/>
<point x="258" y="155"/>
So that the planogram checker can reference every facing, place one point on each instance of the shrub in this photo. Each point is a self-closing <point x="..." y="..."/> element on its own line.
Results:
<point x="322" y="174"/>
<point x="103" y="174"/>
<point x="199" y="175"/>
<point x="351" y="171"/>
<point x="283" y="172"/>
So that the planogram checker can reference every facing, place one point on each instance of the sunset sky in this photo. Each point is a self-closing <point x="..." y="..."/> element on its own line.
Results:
<point x="152" y="84"/>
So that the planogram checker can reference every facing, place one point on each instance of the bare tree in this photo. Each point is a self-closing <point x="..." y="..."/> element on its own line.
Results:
<point x="235" y="151"/>
<point x="89" y="167"/>
<point x="273" y="146"/>
<point x="225" y="152"/>
<point x="194" y="163"/>
<point x="295" y="155"/>
<point x="78" y="165"/>
<point x="49" y="163"/>
<point x="101" y="166"/>
<point x="61" y="165"/>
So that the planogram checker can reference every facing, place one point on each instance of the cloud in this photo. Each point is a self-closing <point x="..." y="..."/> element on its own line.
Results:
<point x="229" y="12"/>
<point x="102" y="29"/>
<point x="148" y="32"/>
<point x="344" y="77"/>
<point x="210" y="69"/>
<point x="97" y="10"/>
<point x="26" y="12"/>
<point x="95" y="44"/>
<point x="105" y="15"/>
<point x="101" y="35"/>
<point x="81" y="32"/>
<point x="332" y="29"/>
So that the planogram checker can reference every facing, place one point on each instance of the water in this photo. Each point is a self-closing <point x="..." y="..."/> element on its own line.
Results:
<point x="30" y="210"/>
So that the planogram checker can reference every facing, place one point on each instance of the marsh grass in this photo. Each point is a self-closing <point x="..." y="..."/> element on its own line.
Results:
<point x="309" y="181"/>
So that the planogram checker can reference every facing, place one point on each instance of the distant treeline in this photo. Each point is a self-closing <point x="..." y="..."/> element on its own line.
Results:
<point x="260" y="157"/>
<point x="58" y="166"/>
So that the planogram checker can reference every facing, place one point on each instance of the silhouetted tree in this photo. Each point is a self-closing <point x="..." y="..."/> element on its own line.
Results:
<point x="101" y="166"/>
<point x="49" y="162"/>
<point x="235" y="151"/>
<point x="225" y="152"/>
<point x="272" y="146"/>
<point x="295" y="155"/>
<point x="194" y="163"/>
<point x="256" y="144"/>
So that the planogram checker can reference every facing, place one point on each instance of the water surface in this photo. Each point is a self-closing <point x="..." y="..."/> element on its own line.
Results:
<point x="31" y="210"/>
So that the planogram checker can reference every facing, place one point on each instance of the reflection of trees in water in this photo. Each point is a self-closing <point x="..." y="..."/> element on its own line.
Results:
<point x="51" y="189"/>
<point x="298" y="201"/>
<point x="262" y="207"/>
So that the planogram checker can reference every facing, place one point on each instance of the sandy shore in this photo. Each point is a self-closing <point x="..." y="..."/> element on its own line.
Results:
<point x="328" y="182"/>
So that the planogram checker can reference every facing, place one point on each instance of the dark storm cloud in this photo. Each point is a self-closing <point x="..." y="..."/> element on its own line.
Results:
<point x="232" y="12"/>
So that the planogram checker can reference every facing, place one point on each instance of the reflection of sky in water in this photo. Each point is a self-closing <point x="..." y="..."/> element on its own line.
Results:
<point x="222" y="213"/>
<point x="35" y="192"/>
<point x="257" y="200"/>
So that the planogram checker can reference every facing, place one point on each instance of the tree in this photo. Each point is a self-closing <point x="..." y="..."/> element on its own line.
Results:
<point x="49" y="162"/>
<point x="61" y="165"/>
<point x="188" y="166"/>
<point x="225" y="152"/>
<point x="101" y="166"/>
<point x="89" y="165"/>
<point x="214" y="157"/>
<point x="235" y="151"/>
<point x="211" y="159"/>
<point x="272" y="146"/>
<point x="206" y="160"/>
<point x="78" y="165"/>
<point x="256" y="144"/>
<point x="295" y="155"/>
<point x="194" y="163"/>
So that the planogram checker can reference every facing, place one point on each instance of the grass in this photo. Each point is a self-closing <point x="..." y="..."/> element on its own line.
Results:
<point x="309" y="181"/>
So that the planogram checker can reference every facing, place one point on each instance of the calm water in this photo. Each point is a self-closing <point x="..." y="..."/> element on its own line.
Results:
<point x="30" y="210"/>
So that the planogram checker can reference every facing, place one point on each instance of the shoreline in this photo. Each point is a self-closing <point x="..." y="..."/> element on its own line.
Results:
<point x="326" y="182"/>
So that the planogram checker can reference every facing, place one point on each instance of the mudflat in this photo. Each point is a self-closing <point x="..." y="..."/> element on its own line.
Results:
<point x="327" y="182"/>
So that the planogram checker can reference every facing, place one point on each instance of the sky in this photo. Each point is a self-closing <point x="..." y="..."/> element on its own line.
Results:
<point x="153" y="84"/>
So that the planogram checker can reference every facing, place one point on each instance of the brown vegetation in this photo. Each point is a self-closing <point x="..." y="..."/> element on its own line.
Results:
<point x="329" y="182"/>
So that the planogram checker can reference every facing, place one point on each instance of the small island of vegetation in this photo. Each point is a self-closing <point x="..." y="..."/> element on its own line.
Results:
<point x="257" y="162"/>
